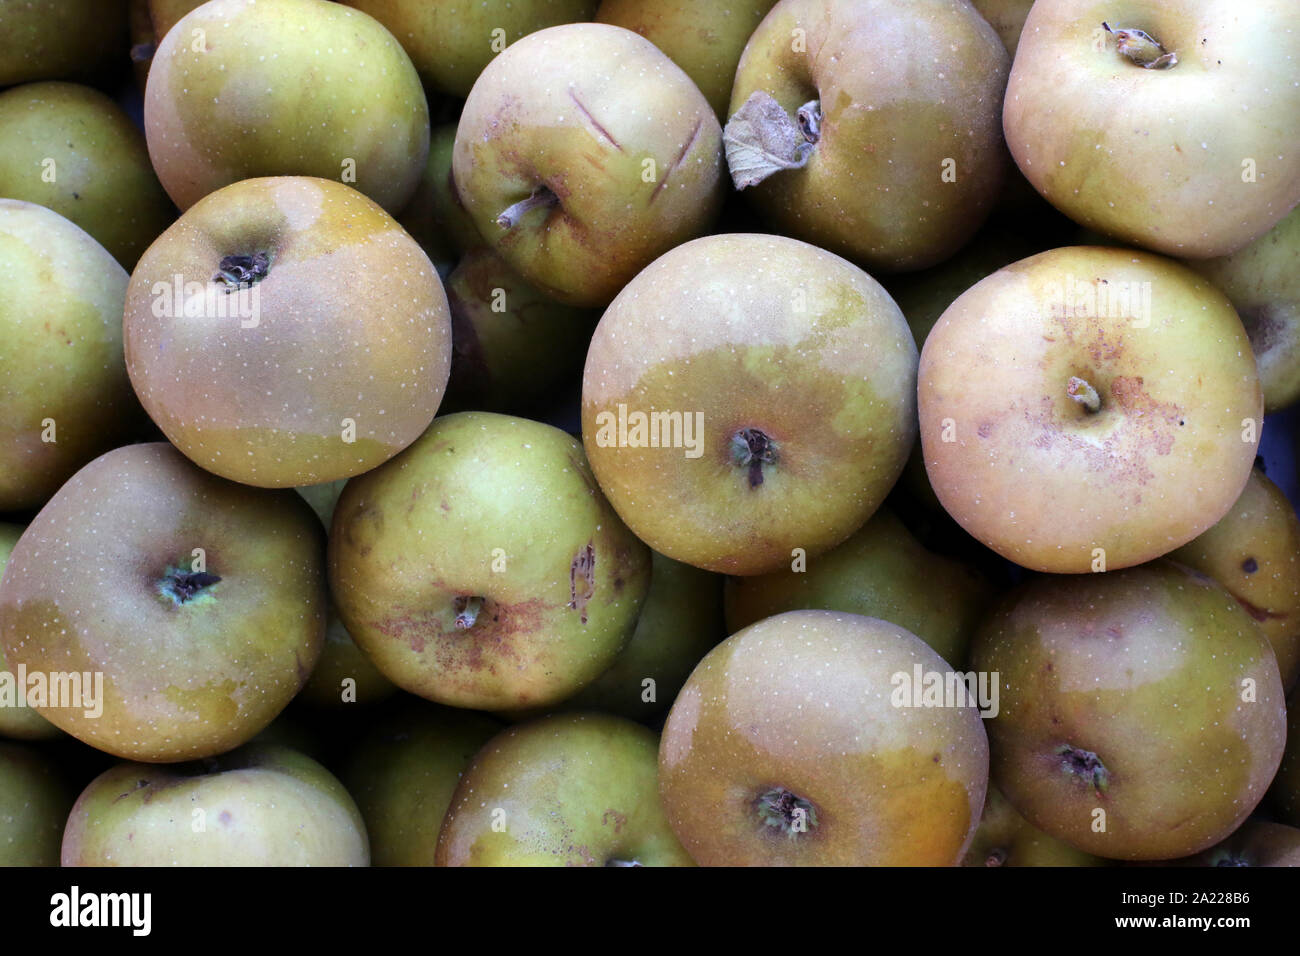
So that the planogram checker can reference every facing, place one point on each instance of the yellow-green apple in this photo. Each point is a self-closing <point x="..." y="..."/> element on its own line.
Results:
<point x="881" y="571"/>
<point x="798" y="742"/>
<point x="240" y="89"/>
<point x="1254" y="552"/>
<point x="1068" y="400"/>
<point x="262" y="805"/>
<point x="1005" y="838"/>
<point x="34" y="803"/>
<point x="255" y="373"/>
<point x="1007" y="17"/>
<point x="1284" y="797"/>
<point x="841" y="137"/>
<point x="435" y="217"/>
<point x="170" y="614"/>
<point x="149" y="21"/>
<point x="1170" y="124"/>
<point x="72" y="149"/>
<point x="344" y="675"/>
<point x="705" y="40"/>
<point x="483" y="568"/>
<point x="747" y="395"/>
<point x="18" y="719"/>
<point x="403" y="772"/>
<point x="1263" y="282"/>
<point x="583" y="153"/>
<point x="1141" y="714"/>
<point x="63" y="381"/>
<point x="451" y="42"/>
<point x="565" y="790"/>
<point x="1256" y="843"/>
<point x="59" y="39"/>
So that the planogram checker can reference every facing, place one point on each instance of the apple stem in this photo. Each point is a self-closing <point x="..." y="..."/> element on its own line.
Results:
<point x="467" y="612"/>
<point x="1083" y="393"/>
<point x="541" y="197"/>
<point x="1141" y="48"/>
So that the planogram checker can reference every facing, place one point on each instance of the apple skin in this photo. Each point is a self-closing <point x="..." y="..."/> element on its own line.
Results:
<point x="874" y="189"/>
<point x="190" y="668"/>
<point x="1005" y="838"/>
<point x="61" y="360"/>
<point x="1256" y="843"/>
<point x="1038" y="477"/>
<point x="615" y="131"/>
<point x="883" y="572"/>
<point x="451" y="43"/>
<point x="263" y="805"/>
<point x="1284" y="796"/>
<point x="757" y="334"/>
<point x="1263" y="282"/>
<point x="59" y="39"/>
<point x="341" y="660"/>
<point x="570" y="789"/>
<point x="102" y="178"/>
<point x="265" y="399"/>
<point x="19" y="723"/>
<point x="404" y="771"/>
<point x="1140" y="671"/>
<point x="435" y="217"/>
<point x="34" y="803"/>
<point x="1254" y="552"/>
<point x="499" y="509"/>
<point x="292" y="93"/>
<point x="801" y="703"/>
<point x="1007" y="17"/>
<point x="1155" y="156"/>
<point x="705" y="40"/>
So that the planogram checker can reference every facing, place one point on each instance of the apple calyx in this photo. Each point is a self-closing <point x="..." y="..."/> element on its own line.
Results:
<point x="1084" y="765"/>
<point x="183" y="587"/>
<point x="1082" y="392"/>
<point x="760" y="138"/>
<point x="996" y="857"/>
<point x="1141" y="48"/>
<point x="786" y="812"/>
<point x="542" y="197"/>
<point x="467" y="611"/>
<point x="751" y="448"/>
<point x="240" y="272"/>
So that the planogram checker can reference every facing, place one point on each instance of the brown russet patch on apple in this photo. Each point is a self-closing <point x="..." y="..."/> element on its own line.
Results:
<point x="620" y="819"/>
<point x="1140" y="407"/>
<point x="582" y="579"/>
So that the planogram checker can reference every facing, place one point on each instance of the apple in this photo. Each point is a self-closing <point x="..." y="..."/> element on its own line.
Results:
<point x="881" y="571"/>
<point x="1143" y="120"/>
<point x="850" y="143"/>
<point x="59" y="39"/>
<point x="791" y="745"/>
<point x="705" y="40"/>
<point x="34" y="803"/>
<point x="1284" y="797"/>
<point x="450" y="43"/>
<point x="565" y="790"/>
<point x="582" y="154"/>
<point x="1005" y="838"/>
<point x="1254" y="552"/>
<point x="19" y="721"/>
<point x="262" y="805"/>
<point x="171" y="613"/>
<point x="1141" y="713"/>
<point x="482" y="567"/>
<point x="403" y="773"/>
<point x="1067" y="400"/>
<point x="747" y="395"/>
<point x="344" y="675"/>
<point x="1256" y="843"/>
<point x="240" y="89"/>
<point x="1263" y="281"/>
<point x="435" y="217"/>
<point x="1007" y="17"/>
<point x="287" y="331"/>
<point x="63" y="382"/>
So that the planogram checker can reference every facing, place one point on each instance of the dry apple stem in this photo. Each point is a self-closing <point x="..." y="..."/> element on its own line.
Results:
<point x="1083" y="393"/>
<point x="541" y="197"/>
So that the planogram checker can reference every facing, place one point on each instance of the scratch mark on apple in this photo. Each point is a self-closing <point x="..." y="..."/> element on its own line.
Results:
<point x="593" y="121"/>
<point x="663" y="181"/>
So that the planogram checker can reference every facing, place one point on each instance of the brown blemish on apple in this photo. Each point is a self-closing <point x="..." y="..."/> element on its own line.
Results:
<point x="224" y="818"/>
<point x="582" y="579"/>
<point x="619" y="819"/>
<point x="1258" y="613"/>
<point x="1250" y="566"/>
<point x="1141" y="408"/>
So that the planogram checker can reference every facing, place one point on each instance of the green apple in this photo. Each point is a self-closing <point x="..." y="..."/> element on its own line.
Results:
<point x="871" y="127"/>
<point x="435" y="217"/>
<point x="1066" y="399"/>
<point x="60" y="39"/>
<point x="1007" y="17"/>
<point x="403" y="773"/>
<point x="705" y="40"/>
<point x="171" y="614"/>
<point x="287" y="331"/>
<point x="791" y="744"/>
<point x="344" y="675"/>
<point x="34" y="804"/>
<point x="1284" y="797"/>
<point x="450" y="42"/>
<point x="1144" y="119"/>
<point x="72" y="149"/>
<point x="747" y="395"/>
<point x="323" y="498"/>
<point x="582" y="154"/>
<point x="483" y="568"/>
<point x="240" y="89"/>
<point x="149" y="21"/>
<point x="1256" y="843"/>
<point x="19" y="721"/>
<point x="63" y="381"/>
<point x="1141" y="714"/>
<point x="1263" y="281"/>
<point x="566" y="790"/>
<point x="263" y="805"/>
<point x="881" y="571"/>
<point x="1254" y="552"/>
<point x="1005" y="838"/>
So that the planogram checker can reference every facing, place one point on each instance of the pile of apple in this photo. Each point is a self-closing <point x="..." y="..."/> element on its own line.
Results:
<point x="921" y="346"/>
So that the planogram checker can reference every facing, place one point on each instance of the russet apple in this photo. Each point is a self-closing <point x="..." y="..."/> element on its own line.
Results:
<point x="435" y="217"/>
<point x="1007" y="17"/>
<point x="1256" y="843"/>
<point x="1005" y="838"/>
<point x="17" y="720"/>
